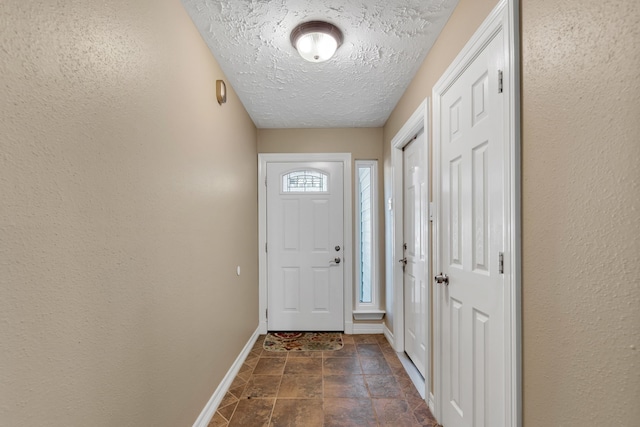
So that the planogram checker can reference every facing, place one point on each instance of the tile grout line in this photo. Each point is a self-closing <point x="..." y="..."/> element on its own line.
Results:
<point x="375" y="413"/>
<point x="238" y="401"/>
<point x="364" y="355"/>
<point x="322" y="383"/>
<point x="275" y="399"/>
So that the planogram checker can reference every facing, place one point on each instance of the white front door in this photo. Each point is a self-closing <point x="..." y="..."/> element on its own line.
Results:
<point x="305" y="246"/>
<point x="472" y="197"/>
<point x="415" y="252"/>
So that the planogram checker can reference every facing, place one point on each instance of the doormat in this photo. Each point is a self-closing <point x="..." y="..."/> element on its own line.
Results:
<point x="303" y="341"/>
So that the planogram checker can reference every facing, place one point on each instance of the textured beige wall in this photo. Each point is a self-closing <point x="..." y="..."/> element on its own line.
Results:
<point x="581" y="202"/>
<point x="128" y="199"/>
<point x="581" y="212"/>
<point x="464" y="21"/>
<point x="362" y="143"/>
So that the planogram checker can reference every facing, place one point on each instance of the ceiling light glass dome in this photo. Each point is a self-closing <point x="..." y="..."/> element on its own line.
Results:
<point x="316" y="41"/>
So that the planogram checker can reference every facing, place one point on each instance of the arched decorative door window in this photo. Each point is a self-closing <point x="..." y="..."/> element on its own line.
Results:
<point x="305" y="181"/>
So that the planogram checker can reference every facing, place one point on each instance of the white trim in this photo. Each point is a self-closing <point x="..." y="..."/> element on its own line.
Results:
<point x="368" y="328"/>
<point x="368" y="314"/>
<point x="414" y="374"/>
<point x="212" y="405"/>
<point x="418" y="120"/>
<point x="423" y="383"/>
<point x="348" y="326"/>
<point x="374" y="305"/>
<point x="505" y="16"/>
<point x="431" y="402"/>
<point x="345" y="158"/>
<point x="388" y="334"/>
<point x="514" y="258"/>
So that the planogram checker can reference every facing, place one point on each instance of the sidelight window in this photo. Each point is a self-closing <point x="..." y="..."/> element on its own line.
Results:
<point x="366" y="227"/>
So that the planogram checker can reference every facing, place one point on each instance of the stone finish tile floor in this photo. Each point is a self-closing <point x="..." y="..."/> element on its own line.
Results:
<point x="363" y="384"/>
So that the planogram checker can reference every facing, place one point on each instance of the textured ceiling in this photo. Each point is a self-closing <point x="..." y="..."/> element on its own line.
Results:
<point x="385" y="42"/>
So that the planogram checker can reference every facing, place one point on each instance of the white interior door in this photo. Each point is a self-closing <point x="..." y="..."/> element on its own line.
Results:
<point x="415" y="253"/>
<point x="472" y="197"/>
<point x="305" y="246"/>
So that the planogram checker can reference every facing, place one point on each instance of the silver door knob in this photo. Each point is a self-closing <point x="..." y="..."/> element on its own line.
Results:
<point x="403" y="261"/>
<point x="336" y="260"/>
<point x="442" y="278"/>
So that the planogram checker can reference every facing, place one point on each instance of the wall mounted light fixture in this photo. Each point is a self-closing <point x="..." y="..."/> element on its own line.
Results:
<point x="316" y="41"/>
<point x="221" y="91"/>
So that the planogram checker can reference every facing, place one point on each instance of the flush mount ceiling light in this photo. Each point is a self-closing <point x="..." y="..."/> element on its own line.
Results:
<point x="316" y="41"/>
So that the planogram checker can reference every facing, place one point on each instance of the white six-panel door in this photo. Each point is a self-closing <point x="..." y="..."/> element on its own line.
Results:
<point x="472" y="220"/>
<point x="305" y="246"/>
<point x="416" y="252"/>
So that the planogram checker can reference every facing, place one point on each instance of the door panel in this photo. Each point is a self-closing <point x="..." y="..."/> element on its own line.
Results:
<point x="472" y="221"/>
<point x="304" y="225"/>
<point x="321" y="289"/>
<point x="291" y="225"/>
<point x="415" y="237"/>
<point x="291" y="289"/>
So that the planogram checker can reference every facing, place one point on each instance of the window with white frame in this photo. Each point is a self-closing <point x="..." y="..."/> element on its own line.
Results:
<point x="305" y="181"/>
<point x="366" y="241"/>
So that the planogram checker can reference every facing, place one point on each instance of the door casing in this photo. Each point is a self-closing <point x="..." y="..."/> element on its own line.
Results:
<point x="263" y="159"/>
<point x="505" y="16"/>
<point x="395" y="232"/>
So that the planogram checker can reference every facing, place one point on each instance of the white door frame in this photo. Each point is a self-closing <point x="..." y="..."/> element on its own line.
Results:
<point x="418" y="120"/>
<point x="263" y="159"/>
<point x="504" y="16"/>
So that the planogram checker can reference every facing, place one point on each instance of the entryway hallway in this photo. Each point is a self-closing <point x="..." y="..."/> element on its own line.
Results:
<point x="362" y="384"/>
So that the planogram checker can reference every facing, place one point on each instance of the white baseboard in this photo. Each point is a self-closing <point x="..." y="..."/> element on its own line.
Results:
<point x="430" y="403"/>
<point x="212" y="405"/>
<point x="414" y="374"/>
<point x="348" y="328"/>
<point x="367" y="328"/>
<point x="262" y="328"/>
<point x="389" y="335"/>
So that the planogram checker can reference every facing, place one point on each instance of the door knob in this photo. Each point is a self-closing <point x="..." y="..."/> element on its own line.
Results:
<point x="336" y="260"/>
<point x="442" y="278"/>
<point x="403" y="261"/>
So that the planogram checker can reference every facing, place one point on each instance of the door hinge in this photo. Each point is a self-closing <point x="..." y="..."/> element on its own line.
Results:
<point x="501" y="262"/>
<point x="499" y="81"/>
<point x="431" y="210"/>
<point x="266" y="313"/>
<point x="266" y="248"/>
<point x="265" y="181"/>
